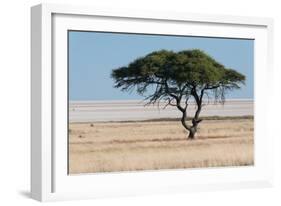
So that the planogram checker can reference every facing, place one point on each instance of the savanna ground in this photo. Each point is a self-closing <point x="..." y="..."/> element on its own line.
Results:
<point x="158" y="144"/>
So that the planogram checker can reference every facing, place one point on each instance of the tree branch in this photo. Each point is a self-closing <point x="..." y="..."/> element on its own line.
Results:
<point x="183" y="121"/>
<point x="169" y="103"/>
<point x="186" y="102"/>
<point x="212" y="87"/>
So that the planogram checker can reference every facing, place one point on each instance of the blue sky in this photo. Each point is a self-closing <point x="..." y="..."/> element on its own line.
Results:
<point x="93" y="55"/>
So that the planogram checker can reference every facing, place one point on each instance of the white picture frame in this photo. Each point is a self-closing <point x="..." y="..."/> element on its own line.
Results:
<point x="49" y="178"/>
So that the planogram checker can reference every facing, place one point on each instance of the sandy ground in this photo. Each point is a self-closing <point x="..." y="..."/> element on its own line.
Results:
<point x="112" y="147"/>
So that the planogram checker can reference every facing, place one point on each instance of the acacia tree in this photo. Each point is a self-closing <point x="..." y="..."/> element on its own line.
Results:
<point x="177" y="77"/>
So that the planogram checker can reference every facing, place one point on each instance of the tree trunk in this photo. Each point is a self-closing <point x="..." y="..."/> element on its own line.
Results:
<point x="183" y="119"/>
<point x="195" y="121"/>
<point x="192" y="132"/>
<point x="191" y="135"/>
<point x="192" y="129"/>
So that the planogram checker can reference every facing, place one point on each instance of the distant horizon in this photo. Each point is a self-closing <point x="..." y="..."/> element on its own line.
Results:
<point x="93" y="55"/>
<point x="128" y="100"/>
<point x="127" y="110"/>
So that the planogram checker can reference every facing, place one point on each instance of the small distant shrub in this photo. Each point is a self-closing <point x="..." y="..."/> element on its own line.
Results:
<point x="92" y="125"/>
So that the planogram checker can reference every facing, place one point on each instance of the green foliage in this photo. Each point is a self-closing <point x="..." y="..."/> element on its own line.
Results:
<point x="177" y="73"/>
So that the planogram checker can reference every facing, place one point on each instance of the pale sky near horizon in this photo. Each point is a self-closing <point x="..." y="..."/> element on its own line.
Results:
<point x="93" y="55"/>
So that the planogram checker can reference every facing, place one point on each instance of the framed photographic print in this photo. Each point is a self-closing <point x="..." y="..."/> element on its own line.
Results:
<point x="137" y="102"/>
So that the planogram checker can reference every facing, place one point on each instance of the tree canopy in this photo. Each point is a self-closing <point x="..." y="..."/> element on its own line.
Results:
<point x="177" y="76"/>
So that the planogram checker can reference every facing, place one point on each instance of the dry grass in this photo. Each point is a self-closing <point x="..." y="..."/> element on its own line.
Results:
<point x="108" y="147"/>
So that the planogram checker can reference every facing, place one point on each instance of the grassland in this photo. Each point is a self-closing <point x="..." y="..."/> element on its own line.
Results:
<point x="159" y="144"/>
